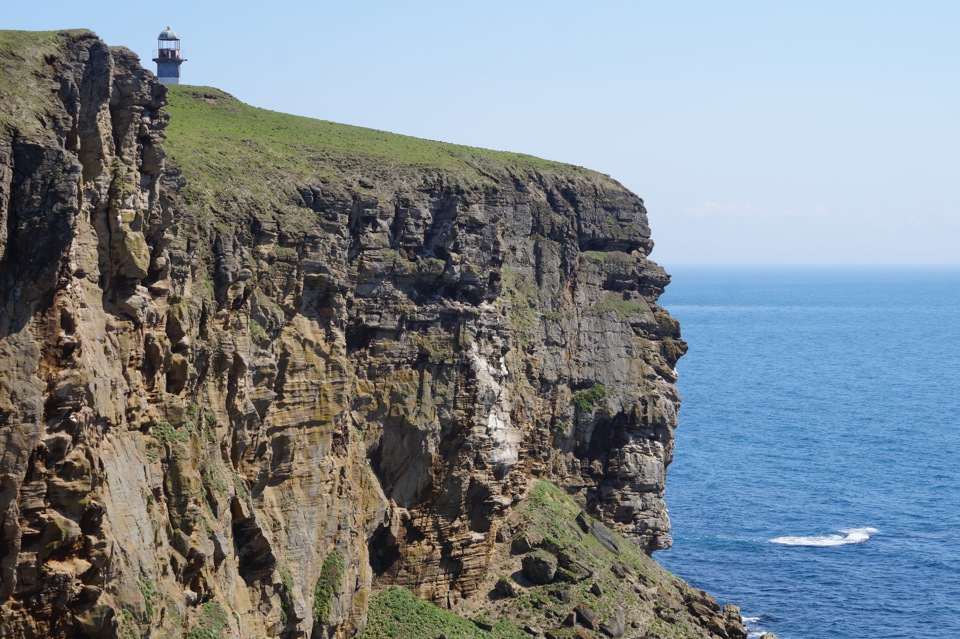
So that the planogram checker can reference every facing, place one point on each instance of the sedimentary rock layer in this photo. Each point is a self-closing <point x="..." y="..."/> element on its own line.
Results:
<point x="211" y="417"/>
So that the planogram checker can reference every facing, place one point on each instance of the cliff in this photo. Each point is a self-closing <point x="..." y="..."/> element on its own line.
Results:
<point x="256" y="368"/>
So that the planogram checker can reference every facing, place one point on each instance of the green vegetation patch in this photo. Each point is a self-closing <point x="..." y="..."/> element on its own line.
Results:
<point x="523" y="303"/>
<point x="149" y="593"/>
<point x="549" y="513"/>
<point x="586" y="400"/>
<point x="168" y="434"/>
<point x="610" y="257"/>
<point x="212" y="623"/>
<point x="231" y="152"/>
<point x="127" y="627"/>
<point x="257" y="333"/>
<point x="328" y="587"/>
<point x="27" y="66"/>
<point x="623" y="309"/>
<point x="398" y="614"/>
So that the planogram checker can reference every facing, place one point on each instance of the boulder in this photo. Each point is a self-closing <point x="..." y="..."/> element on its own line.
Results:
<point x="620" y="570"/>
<point x="733" y="622"/>
<point x="716" y="625"/>
<point x="605" y="536"/>
<point x="616" y="624"/>
<point x="525" y="542"/>
<point x="539" y="567"/>
<point x="602" y="534"/>
<point x="700" y="609"/>
<point x="586" y="616"/>
<point x="507" y="587"/>
<point x="483" y="624"/>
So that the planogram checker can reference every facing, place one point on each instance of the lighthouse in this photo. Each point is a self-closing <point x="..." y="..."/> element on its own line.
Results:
<point x="168" y="57"/>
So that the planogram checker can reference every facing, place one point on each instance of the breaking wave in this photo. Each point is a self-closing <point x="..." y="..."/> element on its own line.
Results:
<point x="849" y="536"/>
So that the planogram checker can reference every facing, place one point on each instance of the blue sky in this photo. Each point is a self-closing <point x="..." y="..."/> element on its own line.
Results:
<point x="757" y="132"/>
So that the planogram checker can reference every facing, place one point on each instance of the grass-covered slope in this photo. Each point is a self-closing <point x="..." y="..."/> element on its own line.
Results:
<point x="623" y="582"/>
<point x="27" y="91"/>
<point x="228" y="149"/>
<point x="224" y="146"/>
<point x="396" y="613"/>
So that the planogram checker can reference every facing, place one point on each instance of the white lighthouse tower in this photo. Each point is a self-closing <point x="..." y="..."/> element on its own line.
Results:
<point x="168" y="57"/>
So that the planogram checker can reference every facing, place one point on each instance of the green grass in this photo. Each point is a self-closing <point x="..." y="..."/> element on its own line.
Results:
<point x="586" y="400"/>
<point x="26" y="78"/>
<point x="127" y="627"/>
<point x="623" y="309"/>
<point x="168" y="434"/>
<point x="241" y="159"/>
<point x="286" y="578"/>
<point x="550" y="512"/>
<point x="212" y="476"/>
<point x="212" y="622"/>
<point x="547" y="510"/>
<point x="523" y="303"/>
<point x="257" y="333"/>
<point x="398" y="614"/>
<point x="150" y="594"/>
<point x="328" y="587"/>
<point x="617" y="257"/>
<point x="231" y="152"/>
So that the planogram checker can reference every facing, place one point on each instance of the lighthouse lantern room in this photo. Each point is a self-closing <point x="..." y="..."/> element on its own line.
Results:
<point x="168" y="57"/>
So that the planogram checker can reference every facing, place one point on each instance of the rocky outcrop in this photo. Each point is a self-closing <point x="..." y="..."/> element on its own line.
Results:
<point x="215" y="420"/>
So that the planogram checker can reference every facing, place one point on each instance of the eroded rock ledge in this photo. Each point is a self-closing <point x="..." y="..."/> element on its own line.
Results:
<point x="212" y="417"/>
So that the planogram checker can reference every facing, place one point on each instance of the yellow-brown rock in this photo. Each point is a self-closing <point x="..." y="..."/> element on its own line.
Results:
<point x="214" y="417"/>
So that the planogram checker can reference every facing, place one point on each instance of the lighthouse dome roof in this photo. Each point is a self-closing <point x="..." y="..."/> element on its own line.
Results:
<point x="168" y="34"/>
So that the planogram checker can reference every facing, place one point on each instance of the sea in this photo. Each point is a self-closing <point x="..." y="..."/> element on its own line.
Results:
<point x="816" y="481"/>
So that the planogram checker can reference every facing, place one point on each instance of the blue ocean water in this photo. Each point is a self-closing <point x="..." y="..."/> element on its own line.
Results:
<point x="817" y="476"/>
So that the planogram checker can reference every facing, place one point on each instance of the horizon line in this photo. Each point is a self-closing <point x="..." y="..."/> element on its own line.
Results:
<point x="864" y="265"/>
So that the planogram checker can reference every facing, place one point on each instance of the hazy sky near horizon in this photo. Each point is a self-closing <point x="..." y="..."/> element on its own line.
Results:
<point x="815" y="132"/>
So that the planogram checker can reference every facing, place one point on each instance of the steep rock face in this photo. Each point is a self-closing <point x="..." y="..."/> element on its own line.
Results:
<point x="215" y="419"/>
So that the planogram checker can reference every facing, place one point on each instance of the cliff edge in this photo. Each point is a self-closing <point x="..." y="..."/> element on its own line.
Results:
<point x="256" y="369"/>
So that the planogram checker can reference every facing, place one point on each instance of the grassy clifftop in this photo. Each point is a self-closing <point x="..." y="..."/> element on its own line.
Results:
<point x="26" y="77"/>
<point x="225" y="146"/>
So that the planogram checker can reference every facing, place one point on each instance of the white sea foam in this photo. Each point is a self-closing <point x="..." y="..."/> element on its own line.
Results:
<point x="753" y="631"/>
<point x="849" y="536"/>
